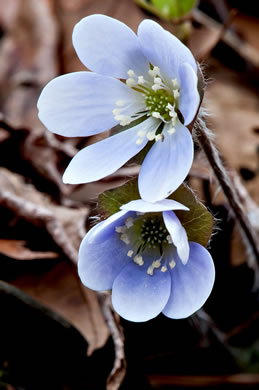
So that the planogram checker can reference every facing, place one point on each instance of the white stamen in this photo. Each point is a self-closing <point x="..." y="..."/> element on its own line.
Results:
<point x="141" y="80"/>
<point x="172" y="264"/>
<point x="157" y="80"/>
<point x="151" y="135"/>
<point x="138" y="260"/>
<point x="156" y="114"/>
<point x="130" y="253"/>
<point x="123" y="119"/>
<point x="150" y="270"/>
<point x="156" y="264"/>
<point x="131" y="82"/>
<point x="129" y="222"/>
<point x="156" y="87"/>
<point x="156" y="70"/>
<point x="159" y="137"/>
<point x="120" y="229"/>
<point x="116" y="111"/>
<point x="171" y="131"/>
<point x="131" y="73"/>
<point x="164" y="268"/>
<point x="125" y="238"/>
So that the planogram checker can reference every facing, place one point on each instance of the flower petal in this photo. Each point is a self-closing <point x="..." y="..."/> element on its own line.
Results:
<point x="109" y="47"/>
<point x="191" y="283"/>
<point x="178" y="235"/>
<point x="102" y="254"/>
<point x="189" y="96"/>
<point x="81" y="103"/>
<point x="147" y="207"/>
<point x="166" y="165"/>
<point x="103" y="158"/>
<point x="163" y="49"/>
<point x="137" y="296"/>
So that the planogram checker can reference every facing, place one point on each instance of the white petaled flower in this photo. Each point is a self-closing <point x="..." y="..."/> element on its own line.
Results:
<point x="149" y="77"/>
<point x="143" y="255"/>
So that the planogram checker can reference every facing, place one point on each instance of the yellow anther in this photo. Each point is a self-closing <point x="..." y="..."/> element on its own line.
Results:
<point x="130" y="253"/>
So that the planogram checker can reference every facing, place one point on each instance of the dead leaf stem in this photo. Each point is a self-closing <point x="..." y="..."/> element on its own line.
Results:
<point x="205" y="140"/>
<point x="118" y="372"/>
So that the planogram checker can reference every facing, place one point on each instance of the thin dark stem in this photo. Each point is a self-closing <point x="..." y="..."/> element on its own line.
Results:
<point x="228" y="187"/>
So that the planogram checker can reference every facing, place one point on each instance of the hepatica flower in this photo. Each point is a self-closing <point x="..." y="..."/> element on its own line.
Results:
<point x="142" y="253"/>
<point x="149" y="78"/>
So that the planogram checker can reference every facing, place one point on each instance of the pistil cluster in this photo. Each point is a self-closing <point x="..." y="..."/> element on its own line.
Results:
<point x="158" y="99"/>
<point x="143" y="233"/>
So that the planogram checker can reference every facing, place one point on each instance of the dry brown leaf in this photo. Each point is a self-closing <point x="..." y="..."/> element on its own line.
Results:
<point x="17" y="250"/>
<point x="28" y="59"/>
<point x="235" y="115"/>
<point x="61" y="290"/>
<point x="64" y="224"/>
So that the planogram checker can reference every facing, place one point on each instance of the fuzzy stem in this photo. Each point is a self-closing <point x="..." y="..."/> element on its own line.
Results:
<point x="205" y="140"/>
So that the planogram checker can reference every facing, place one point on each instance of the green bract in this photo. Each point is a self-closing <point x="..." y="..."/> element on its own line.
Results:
<point x="198" y="222"/>
<point x="174" y="8"/>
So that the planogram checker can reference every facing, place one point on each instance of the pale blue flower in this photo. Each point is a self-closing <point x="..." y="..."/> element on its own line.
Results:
<point x="151" y="76"/>
<point x="142" y="253"/>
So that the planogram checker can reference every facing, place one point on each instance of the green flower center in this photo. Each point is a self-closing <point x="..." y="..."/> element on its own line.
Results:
<point x="157" y="101"/>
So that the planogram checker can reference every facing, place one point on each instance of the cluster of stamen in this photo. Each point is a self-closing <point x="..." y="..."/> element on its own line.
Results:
<point x="159" y="100"/>
<point x="146" y="233"/>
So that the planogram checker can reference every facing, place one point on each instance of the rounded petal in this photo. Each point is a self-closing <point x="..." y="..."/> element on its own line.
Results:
<point x="163" y="49"/>
<point x="102" y="254"/>
<point x="191" y="283"/>
<point x="138" y="296"/>
<point x="103" y="158"/>
<point x="103" y="230"/>
<point x="109" y="47"/>
<point x="166" y="165"/>
<point x="147" y="207"/>
<point x="189" y="95"/>
<point x="178" y="235"/>
<point x="81" y="103"/>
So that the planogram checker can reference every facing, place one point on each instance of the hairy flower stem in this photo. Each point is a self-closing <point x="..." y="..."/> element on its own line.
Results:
<point x="205" y="140"/>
